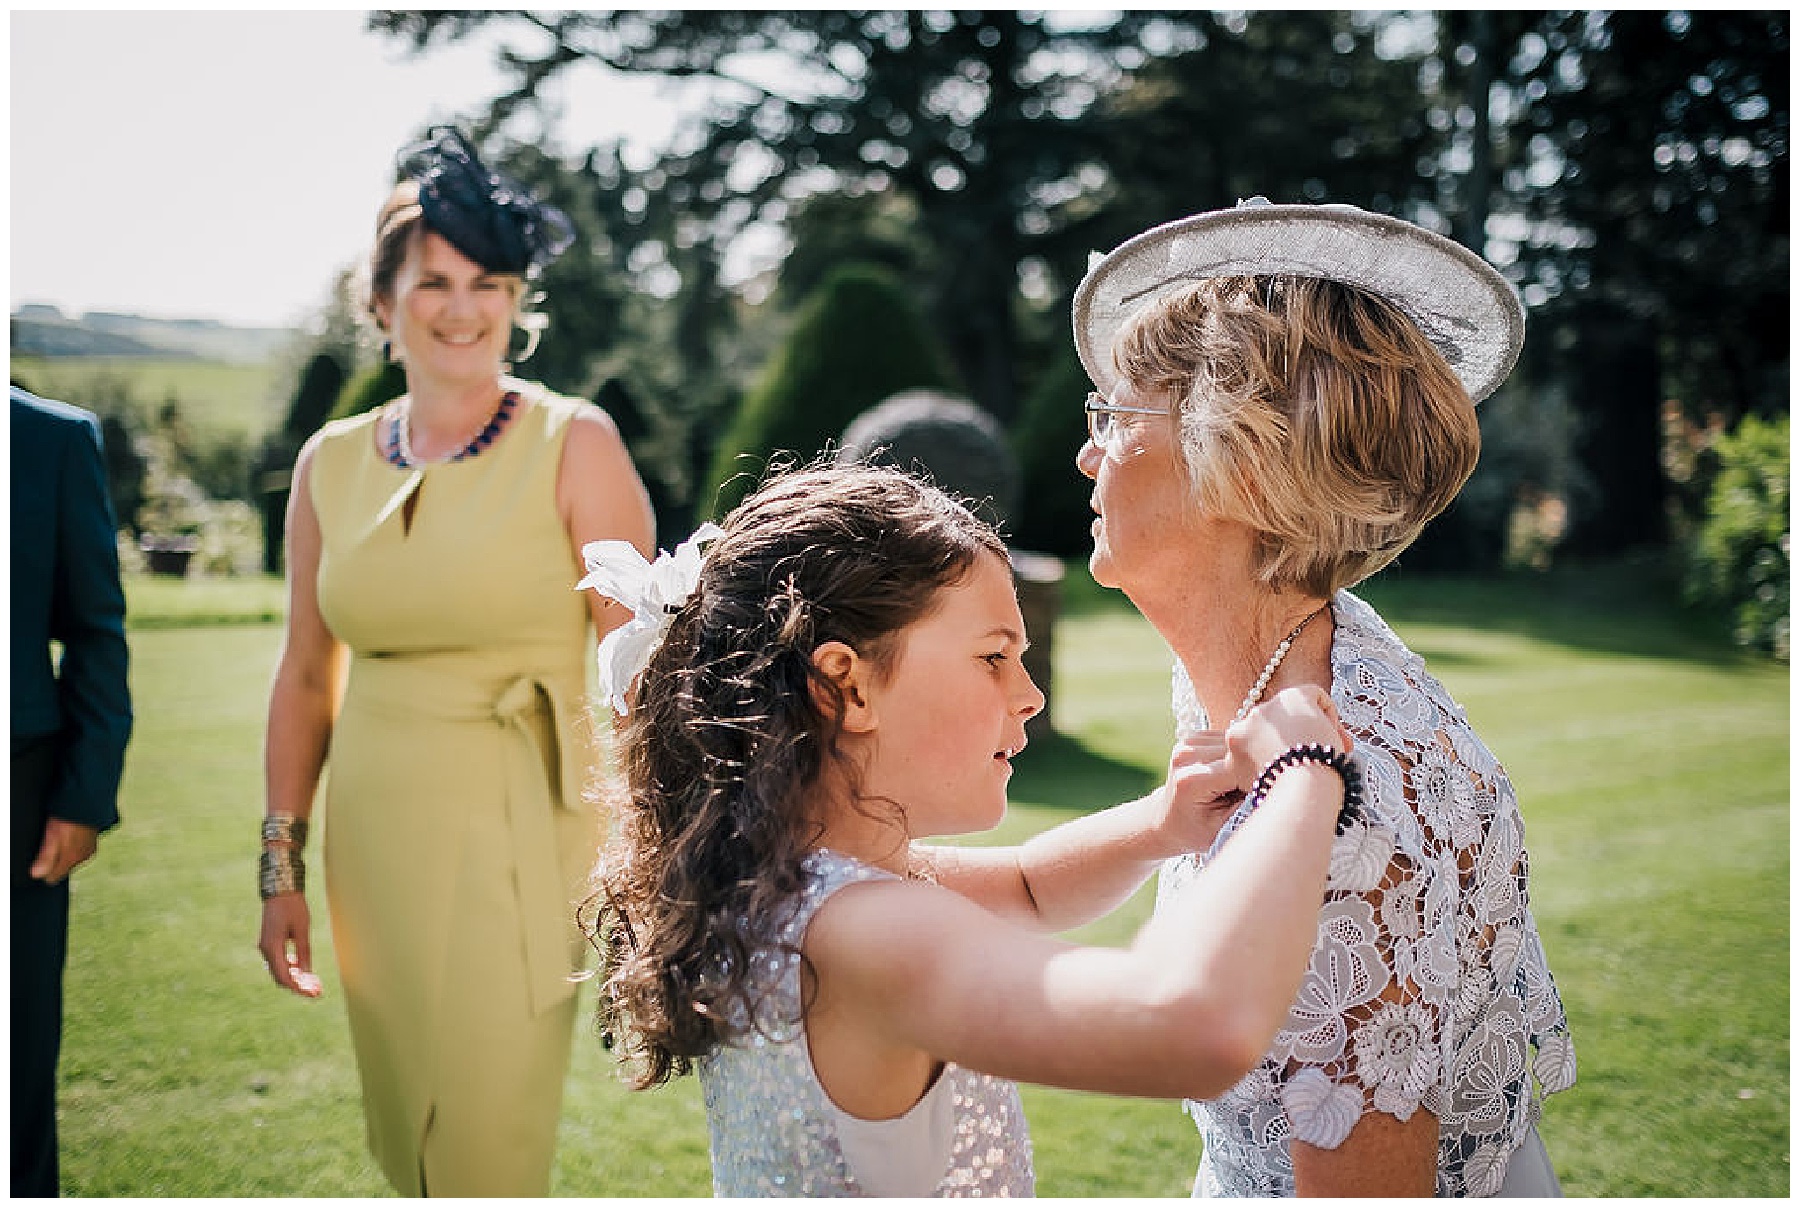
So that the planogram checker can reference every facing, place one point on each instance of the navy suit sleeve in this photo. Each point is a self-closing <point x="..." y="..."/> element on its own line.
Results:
<point x="88" y="618"/>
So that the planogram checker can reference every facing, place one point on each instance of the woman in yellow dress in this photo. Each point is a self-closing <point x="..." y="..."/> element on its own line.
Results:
<point x="436" y="653"/>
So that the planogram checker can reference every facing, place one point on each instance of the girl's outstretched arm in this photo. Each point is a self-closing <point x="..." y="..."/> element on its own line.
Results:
<point x="1076" y="872"/>
<point x="1080" y="870"/>
<point x="905" y="968"/>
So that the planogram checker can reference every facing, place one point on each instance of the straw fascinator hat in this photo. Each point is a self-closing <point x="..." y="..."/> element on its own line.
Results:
<point x="1461" y="303"/>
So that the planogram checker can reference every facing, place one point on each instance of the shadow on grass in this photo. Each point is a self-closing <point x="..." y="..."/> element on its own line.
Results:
<point x="204" y="620"/>
<point x="1061" y="772"/>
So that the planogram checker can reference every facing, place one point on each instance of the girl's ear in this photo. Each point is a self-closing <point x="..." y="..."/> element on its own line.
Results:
<point x="849" y="673"/>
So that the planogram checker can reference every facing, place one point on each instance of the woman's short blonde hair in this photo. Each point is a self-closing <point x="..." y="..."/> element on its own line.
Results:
<point x="1312" y="411"/>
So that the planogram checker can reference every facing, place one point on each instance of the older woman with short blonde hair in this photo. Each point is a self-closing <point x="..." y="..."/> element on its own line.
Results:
<point x="1282" y="377"/>
<point x="1286" y="397"/>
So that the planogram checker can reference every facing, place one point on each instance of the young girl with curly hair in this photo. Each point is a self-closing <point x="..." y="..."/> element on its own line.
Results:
<point x="843" y="680"/>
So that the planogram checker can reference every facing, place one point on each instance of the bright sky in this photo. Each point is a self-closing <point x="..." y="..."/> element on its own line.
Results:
<point x="226" y="165"/>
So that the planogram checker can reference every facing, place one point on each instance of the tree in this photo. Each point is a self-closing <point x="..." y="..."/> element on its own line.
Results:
<point x="1740" y="560"/>
<point x="1055" y="515"/>
<point x="857" y="341"/>
<point x="584" y="291"/>
<point x="671" y="493"/>
<point x="1617" y="166"/>
<point x="1661" y="183"/>
<point x="369" y="388"/>
<point x="1294" y="106"/>
<point x="830" y="229"/>
<point x="320" y="383"/>
<point x="1653" y="229"/>
<point x="972" y="118"/>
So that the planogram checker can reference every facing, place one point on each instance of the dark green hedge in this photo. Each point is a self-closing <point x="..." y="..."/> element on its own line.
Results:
<point x="1054" y="515"/>
<point x="858" y="339"/>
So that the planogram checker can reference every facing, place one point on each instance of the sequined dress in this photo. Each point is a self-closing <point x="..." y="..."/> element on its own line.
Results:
<point x="1428" y="987"/>
<point x="775" y="1132"/>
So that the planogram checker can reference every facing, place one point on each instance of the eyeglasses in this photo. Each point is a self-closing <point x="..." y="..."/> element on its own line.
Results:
<point x="1100" y="412"/>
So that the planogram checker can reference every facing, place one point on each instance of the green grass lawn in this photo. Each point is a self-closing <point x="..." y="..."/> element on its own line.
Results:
<point x="216" y="397"/>
<point x="1652" y="762"/>
<point x="166" y="602"/>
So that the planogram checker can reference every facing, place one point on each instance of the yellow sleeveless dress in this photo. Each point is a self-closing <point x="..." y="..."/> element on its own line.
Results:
<point x="457" y="834"/>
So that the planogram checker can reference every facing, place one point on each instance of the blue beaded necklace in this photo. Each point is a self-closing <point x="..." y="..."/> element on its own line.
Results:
<point x="398" y="449"/>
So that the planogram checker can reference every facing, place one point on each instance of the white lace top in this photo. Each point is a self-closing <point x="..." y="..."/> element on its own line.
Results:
<point x="1428" y="987"/>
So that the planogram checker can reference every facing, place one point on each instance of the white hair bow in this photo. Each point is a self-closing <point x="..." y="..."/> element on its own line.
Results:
<point x="654" y="591"/>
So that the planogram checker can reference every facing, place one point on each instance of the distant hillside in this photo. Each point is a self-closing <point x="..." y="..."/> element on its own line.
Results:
<point x="45" y="331"/>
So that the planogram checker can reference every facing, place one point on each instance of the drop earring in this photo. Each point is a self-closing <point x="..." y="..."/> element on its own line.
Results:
<point x="532" y="323"/>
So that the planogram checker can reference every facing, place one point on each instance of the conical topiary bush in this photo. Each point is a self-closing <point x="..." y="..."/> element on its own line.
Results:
<point x="857" y="339"/>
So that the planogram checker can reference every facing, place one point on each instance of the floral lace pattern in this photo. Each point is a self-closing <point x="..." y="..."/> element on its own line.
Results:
<point x="1428" y="987"/>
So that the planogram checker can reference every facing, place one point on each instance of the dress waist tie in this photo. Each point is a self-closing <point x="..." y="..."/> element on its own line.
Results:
<point x="537" y="780"/>
<point x="545" y="906"/>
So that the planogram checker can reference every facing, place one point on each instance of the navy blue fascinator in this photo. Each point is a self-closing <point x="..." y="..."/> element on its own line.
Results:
<point x="488" y="216"/>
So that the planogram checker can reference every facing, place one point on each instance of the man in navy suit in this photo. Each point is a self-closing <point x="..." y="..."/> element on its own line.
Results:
<point x="70" y="722"/>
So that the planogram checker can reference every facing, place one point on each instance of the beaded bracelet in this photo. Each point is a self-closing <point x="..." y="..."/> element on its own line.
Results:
<point x="1315" y="752"/>
<point x="280" y="870"/>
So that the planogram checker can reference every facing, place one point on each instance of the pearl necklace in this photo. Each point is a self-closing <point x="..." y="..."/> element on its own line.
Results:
<point x="1268" y="671"/>
<point x="399" y="443"/>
